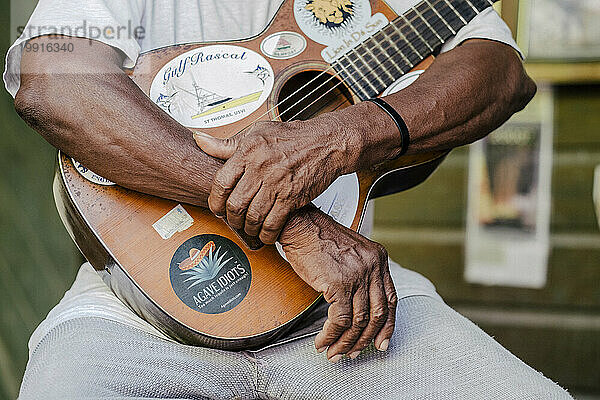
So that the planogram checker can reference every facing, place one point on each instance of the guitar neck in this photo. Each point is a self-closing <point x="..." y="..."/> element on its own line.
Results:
<point x="397" y="48"/>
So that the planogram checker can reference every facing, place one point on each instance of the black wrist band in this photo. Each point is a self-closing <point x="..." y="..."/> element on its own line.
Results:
<point x="398" y="120"/>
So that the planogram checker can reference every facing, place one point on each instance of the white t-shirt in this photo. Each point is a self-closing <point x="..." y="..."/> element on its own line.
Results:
<point x="166" y="23"/>
<point x="186" y="21"/>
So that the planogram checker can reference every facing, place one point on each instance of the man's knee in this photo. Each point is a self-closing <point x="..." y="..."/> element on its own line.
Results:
<point x="452" y="350"/>
<point x="68" y="360"/>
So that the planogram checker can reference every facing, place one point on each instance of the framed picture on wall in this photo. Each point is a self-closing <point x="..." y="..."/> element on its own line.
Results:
<point x="559" y="30"/>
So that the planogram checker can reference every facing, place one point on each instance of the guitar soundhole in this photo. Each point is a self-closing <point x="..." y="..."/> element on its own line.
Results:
<point x="310" y="93"/>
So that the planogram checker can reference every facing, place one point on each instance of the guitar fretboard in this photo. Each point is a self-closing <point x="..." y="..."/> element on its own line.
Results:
<point x="406" y="41"/>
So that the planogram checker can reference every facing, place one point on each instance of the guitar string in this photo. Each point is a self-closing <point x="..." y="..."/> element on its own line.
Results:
<point x="328" y="91"/>
<point x="386" y="83"/>
<point x="445" y="23"/>
<point x="333" y="76"/>
<point x="360" y="78"/>
<point x="418" y="16"/>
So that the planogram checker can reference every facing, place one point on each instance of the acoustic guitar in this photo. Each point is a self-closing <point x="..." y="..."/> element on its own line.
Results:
<point x="184" y="270"/>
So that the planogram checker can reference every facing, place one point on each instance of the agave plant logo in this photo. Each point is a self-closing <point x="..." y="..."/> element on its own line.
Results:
<point x="210" y="273"/>
<point x="203" y="265"/>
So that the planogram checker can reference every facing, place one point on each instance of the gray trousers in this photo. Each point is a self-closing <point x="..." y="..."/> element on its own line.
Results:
<point x="435" y="353"/>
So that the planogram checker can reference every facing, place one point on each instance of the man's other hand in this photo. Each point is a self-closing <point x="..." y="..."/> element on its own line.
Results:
<point x="274" y="168"/>
<point x="353" y="275"/>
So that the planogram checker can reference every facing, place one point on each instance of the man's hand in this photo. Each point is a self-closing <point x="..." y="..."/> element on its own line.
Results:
<point x="353" y="275"/>
<point x="275" y="168"/>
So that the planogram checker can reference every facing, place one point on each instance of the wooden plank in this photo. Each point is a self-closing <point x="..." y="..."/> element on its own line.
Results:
<point x="564" y="73"/>
<point x="509" y="9"/>
<point x="439" y="201"/>
<point x="572" y="183"/>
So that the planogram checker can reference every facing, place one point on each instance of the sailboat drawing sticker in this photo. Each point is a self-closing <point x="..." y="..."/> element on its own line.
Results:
<point x="213" y="86"/>
<point x="283" y="45"/>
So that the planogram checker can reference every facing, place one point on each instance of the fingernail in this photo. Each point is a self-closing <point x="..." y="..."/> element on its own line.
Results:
<point x="336" y="358"/>
<point x="354" y="355"/>
<point x="202" y="134"/>
<point x="321" y="349"/>
<point x="384" y="345"/>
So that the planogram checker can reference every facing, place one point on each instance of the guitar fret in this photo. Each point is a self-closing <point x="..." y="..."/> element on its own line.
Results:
<point x="400" y="71"/>
<point x="392" y="62"/>
<point x="440" y="26"/>
<point x="455" y="12"/>
<point x="384" y="69"/>
<point x="372" y="69"/>
<point x="399" y="46"/>
<point x="430" y="27"/>
<point x="473" y="7"/>
<point x="441" y="18"/>
<point x="450" y="15"/>
<point x="385" y="54"/>
<point x="417" y="32"/>
<point x="362" y="76"/>
<point x="349" y="75"/>
<point x="359" y="66"/>
<point x="464" y="10"/>
<point x="481" y="4"/>
<point x="389" y="57"/>
<point x="398" y="51"/>
<point x="406" y="40"/>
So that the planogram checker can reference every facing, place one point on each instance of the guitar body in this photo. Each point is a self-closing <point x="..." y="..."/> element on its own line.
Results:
<point x="178" y="266"/>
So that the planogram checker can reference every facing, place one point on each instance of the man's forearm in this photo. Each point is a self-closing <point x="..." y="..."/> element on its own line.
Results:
<point x="465" y="94"/>
<point x="106" y="122"/>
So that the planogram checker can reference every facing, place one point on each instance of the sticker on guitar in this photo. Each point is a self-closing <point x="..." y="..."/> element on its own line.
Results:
<point x="213" y="85"/>
<point x="210" y="273"/>
<point x="91" y="175"/>
<point x="339" y="24"/>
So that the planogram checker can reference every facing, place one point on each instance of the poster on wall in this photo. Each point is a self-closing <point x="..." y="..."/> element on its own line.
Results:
<point x="560" y="30"/>
<point x="508" y="213"/>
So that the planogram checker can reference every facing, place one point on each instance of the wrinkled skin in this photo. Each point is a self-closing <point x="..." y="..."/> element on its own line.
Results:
<point x="275" y="168"/>
<point x="356" y="282"/>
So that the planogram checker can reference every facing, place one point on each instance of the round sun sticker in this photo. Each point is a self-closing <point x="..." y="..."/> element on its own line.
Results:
<point x="328" y="21"/>
<point x="213" y="86"/>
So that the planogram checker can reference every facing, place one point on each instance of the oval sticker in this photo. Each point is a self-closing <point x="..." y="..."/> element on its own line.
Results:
<point x="210" y="274"/>
<point x="90" y="175"/>
<point x="213" y="85"/>
<point x="283" y="45"/>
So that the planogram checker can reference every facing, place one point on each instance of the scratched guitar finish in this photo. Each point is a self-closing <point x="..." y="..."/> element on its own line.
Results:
<point x="183" y="269"/>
